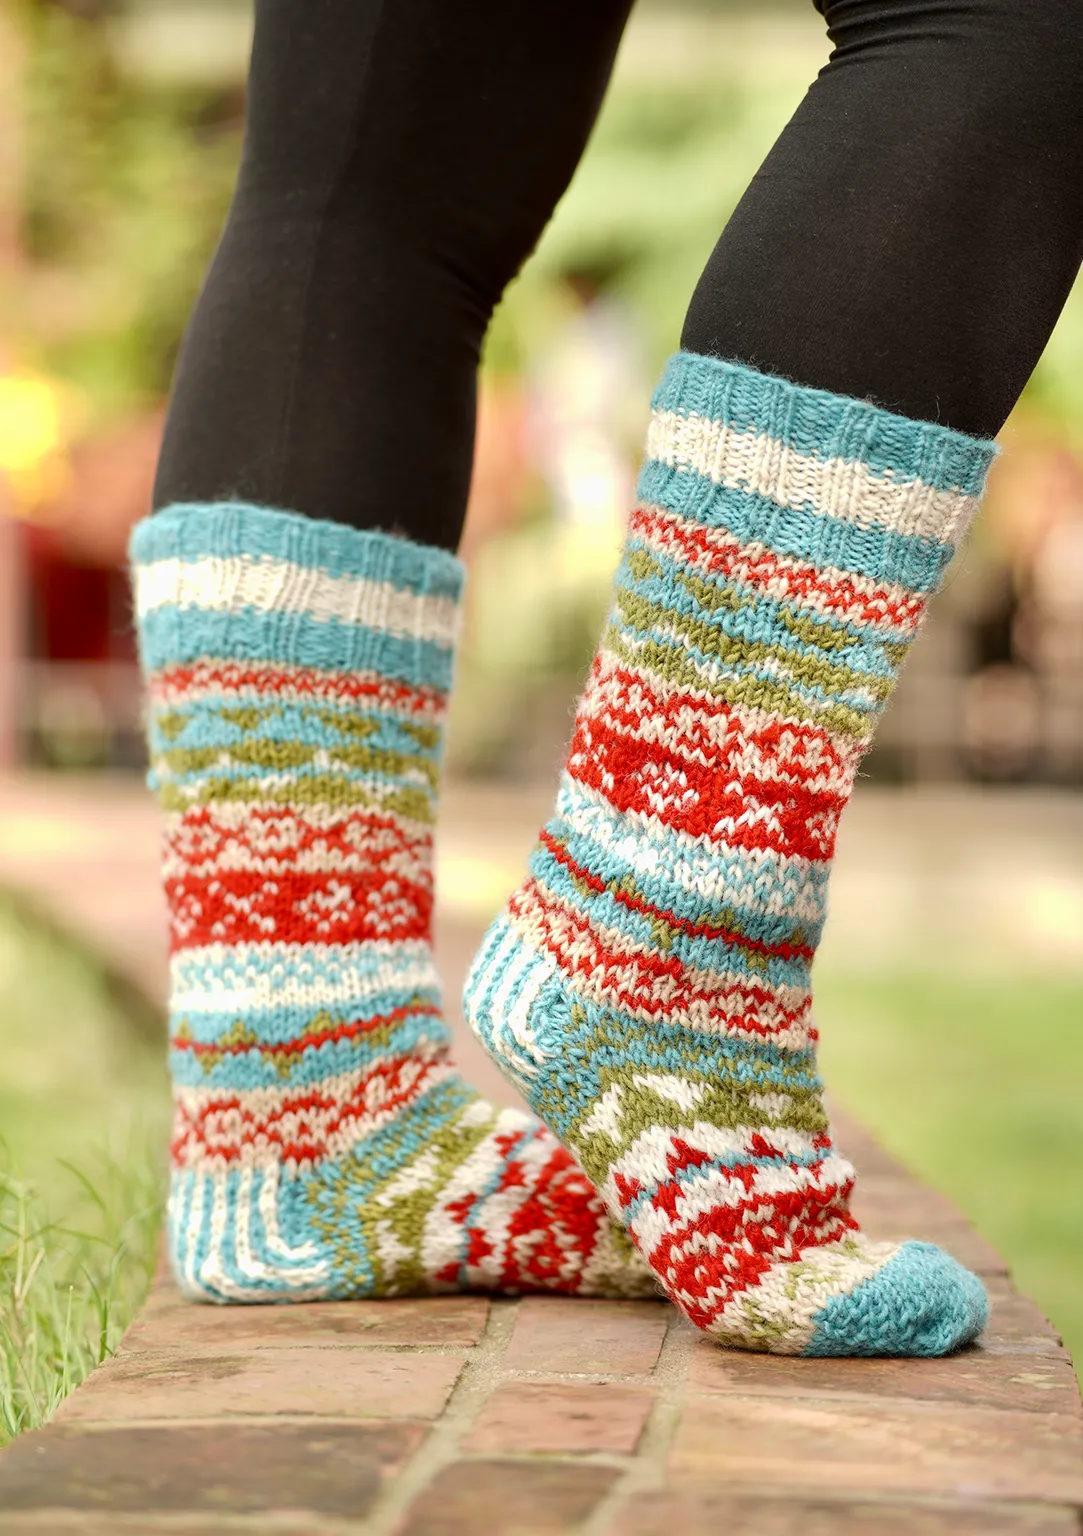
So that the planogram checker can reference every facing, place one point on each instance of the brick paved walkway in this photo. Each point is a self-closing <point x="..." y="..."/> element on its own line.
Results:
<point x="470" y="1417"/>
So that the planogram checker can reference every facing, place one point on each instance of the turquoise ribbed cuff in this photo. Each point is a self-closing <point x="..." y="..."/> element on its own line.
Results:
<point x="235" y="581"/>
<point x="813" y="475"/>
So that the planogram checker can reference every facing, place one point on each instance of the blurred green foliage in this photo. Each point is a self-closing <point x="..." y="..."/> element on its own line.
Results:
<point x="84" y="1116"/>
<point x="673" y="150"/>
<point x="125" y="187"/>
<point x="127" y="181"/>
<point x="972" y="1080"/>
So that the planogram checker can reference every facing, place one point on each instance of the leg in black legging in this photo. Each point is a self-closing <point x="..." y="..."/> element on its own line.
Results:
<point x="914" y="233"/>
<point x="910" y="239"/>
<point x="401" y="159"/>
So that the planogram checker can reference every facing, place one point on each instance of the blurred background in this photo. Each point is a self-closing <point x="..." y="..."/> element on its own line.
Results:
<point x="951" y="985"/>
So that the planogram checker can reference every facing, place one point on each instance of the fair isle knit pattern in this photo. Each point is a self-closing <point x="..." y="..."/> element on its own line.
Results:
<point x="648" y="987"/>
<point x="323" y="1144"/>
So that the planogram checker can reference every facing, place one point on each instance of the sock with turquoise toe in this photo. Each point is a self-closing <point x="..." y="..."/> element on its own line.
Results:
<point x="648" y="987"/>
<point x="324" y="1146"/>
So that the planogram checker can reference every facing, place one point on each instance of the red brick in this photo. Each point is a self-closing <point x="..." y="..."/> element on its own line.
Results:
<point x="1015" y="1318"/>
<point x="331" y="1383"/>
<point x="509" y="1498"/>
<point x="184" y="1469"/>
<point x="539" y="1416"/>
<point x="689" y="1514"/>
<point x="891" y="1209"/>
<point x="1042" y="1385"/>
<point x="589" y="1338"/>
<point x="938" y="1449"/>
<point x="169" y="1322"/>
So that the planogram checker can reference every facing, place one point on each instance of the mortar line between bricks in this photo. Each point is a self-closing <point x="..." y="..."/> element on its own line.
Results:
<point x="57" y="1521"/>
<point x="929" y="1407"/>
<point x="895" y="1499"/>
<point x="646" y="1469"/>
<point x="643" y="1379"/>
<point x="479" y="1375"/>
<point x="196" y="1421"/>
<point x="215" y="1351"/>
<point x="60" y="1521"/>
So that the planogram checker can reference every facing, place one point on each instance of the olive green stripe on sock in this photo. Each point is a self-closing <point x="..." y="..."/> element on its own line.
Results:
<point x="673" y="664"/>
<point x="338" y="1211"/>
<point x="639" y="613"/>
<point x="278" y="756"/>
<point x="727" y="1105"/>
<point x="824" y="633"/>
<point x="414" y="804"/>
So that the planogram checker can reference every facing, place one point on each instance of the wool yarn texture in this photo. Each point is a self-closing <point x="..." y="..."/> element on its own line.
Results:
<point x="323" y="1144"/>
<point x="648" y="987"/>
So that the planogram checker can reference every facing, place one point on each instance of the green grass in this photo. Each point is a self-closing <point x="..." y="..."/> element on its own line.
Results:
<point x="83" y="1106"/>
<point x="975" y="1083"/>
<point x="67" y="1290"/>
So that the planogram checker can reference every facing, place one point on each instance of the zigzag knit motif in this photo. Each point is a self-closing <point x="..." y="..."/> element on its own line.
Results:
<point x="648" y="987"/>
<point x="323" y="1144"/>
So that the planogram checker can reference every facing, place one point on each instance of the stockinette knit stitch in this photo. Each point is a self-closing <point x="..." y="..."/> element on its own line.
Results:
<point x="324" y="1145"/>
<point x="648" y="987"/>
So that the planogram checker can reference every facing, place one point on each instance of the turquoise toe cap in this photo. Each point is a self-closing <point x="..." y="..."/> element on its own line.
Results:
<point x="921" y="1303"/>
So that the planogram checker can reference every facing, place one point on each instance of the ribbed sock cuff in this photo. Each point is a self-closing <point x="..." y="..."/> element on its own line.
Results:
<point x="835" y="481"/>
<point x="234" y="581"/>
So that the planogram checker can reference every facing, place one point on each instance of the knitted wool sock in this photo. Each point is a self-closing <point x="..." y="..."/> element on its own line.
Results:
<point x="648" y="987"/>
<point x="323" y="1144"/>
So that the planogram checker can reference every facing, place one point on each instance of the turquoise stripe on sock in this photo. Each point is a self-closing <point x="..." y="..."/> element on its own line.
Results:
<point x="759" y="921"/>
<point x="640" y="930"/>
<point x="824" y="425"/>
<point x="296" y="725"/>
<point x="171" y="635"/>
<point x="758" y="618"/>
<point x="281" y="1023"/>
<point x="227" y="529"/>
<point x="778" y="882"/>
<point x="232" y="966"/>
<point x="252" y="1069"/>
<point x="878" y="553"/>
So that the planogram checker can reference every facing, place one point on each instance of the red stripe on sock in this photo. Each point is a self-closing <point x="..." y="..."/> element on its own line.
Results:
<point x="643" y="777"/>
<point x="255" y="678"/>
<point x="704" y="929"/>
<point x="300" y="1128"/>
<point x="660" y="987"/>
<point x="784" y="579"/>
<point x="627" y="700"/>
<point x="309" y="1038"/>
<point x="726" y="1251"/>
<point x="386" y="894"/>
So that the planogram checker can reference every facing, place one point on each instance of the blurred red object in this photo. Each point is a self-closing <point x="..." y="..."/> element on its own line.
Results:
<point x="108" y="490"/>
<point x="74" y="549"/>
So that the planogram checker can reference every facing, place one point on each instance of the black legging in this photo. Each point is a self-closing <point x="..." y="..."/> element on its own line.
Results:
<point x="910" y="239"/>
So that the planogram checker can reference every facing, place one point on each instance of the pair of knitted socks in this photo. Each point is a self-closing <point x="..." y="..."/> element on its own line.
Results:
<point x="647" y="989"/>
